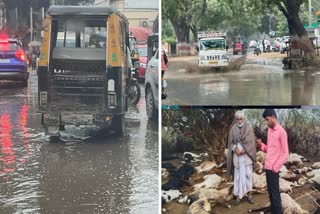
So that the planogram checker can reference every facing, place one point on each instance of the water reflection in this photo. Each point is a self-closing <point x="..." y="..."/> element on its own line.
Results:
<point x="95" y="174"/>
<point x="7" y="153"/>
<point x="257" y="83"/>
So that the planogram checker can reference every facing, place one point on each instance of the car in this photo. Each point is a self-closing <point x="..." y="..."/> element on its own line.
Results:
<point x="284" y="46"/>
<point x="252" y="44"/>
<point x="240" y="45"/>
<point x="152" y="86"/>
<point x="13" y="61"/>
<point x="143" y="57"/>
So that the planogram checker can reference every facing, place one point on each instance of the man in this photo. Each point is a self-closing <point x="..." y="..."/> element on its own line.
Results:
<point x="241" y="156"/>
<point x="277" y="154"/>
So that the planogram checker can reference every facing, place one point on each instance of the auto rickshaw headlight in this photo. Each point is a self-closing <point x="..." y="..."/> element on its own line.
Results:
<point x="112" y="100"/>
<point x="43" y="98"/>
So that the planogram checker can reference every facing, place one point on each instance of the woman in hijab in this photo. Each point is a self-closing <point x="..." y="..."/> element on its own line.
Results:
<point x="241" y="156"/>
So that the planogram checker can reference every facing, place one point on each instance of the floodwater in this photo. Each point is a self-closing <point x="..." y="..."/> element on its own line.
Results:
<point x="86" y="172"/>
<point x="258" y="82"/>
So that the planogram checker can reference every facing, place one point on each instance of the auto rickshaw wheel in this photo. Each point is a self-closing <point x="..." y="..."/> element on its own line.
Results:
<point x="134" y="93"/>
<point x="117" y="125"/>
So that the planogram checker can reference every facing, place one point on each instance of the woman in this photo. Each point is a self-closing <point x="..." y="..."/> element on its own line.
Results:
<point x="241" y="156"/>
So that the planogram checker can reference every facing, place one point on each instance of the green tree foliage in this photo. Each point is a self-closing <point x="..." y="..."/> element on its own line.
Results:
<point x="237" y="17"/>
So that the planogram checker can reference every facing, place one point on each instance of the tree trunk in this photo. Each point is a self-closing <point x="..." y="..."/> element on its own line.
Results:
<point x="181" y="29"/>
<point x="299" y="36"/>
<point x="194" y="31"/>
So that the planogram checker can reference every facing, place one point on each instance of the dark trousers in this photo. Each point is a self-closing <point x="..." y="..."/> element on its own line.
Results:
<point x="274" y="192"/>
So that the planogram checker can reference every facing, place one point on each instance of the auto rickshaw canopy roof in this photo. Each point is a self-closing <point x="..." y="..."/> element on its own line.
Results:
<point x="82" y="10"/>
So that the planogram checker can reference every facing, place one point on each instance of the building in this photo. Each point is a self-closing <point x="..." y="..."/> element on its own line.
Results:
<point x="142" y="13"/>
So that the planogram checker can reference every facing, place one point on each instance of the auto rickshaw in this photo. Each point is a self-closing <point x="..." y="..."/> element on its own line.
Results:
<point x="82" y="80"/>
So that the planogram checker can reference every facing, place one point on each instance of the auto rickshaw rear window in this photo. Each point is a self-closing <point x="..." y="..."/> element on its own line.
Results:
<point x="77" y="33"/>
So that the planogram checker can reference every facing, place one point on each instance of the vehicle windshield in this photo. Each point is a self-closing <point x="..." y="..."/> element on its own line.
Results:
<point x="215" y="44"/>
<point x="9" y="47"/>
<point x="81" y="34"/>
<point x="143" y="51"/>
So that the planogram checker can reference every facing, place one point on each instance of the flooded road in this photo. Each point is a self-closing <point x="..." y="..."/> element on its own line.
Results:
<point x="259" y="82"/>
<point x="87" y="172"/>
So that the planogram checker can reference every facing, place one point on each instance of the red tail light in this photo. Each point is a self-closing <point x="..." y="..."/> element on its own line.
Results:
<point x="20" y="55"/>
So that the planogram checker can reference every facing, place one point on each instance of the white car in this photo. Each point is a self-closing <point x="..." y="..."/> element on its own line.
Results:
<point x="152" y="86"/>
<point x="252" y="44"/>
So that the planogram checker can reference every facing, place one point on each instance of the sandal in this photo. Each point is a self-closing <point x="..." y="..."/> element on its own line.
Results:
<point x="250" y="199"/>
<point x="237" y="202"/>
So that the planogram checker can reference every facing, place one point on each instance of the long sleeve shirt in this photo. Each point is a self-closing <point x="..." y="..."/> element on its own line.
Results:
<point x="277" y="151"/>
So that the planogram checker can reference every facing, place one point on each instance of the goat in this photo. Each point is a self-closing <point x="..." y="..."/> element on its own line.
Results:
<point x="313" y="172"/>
<point x="164" y="173"/>
<point x="286" y="186"/>
<point x="223" y="195"/>
<point x="206" y="166"/>
<point x="258" y="167"/>
<point x="261" y="156"/>
<point x="294" y="159"/>
<point x="169" y="195"/>
<point x="200" y="206"/>
<point x="316" y="165"/>
<point x="192" y="157"/>
<point x="210" y="181"/>
<point x="259" y="181"/>
<point x="178" y="177"/>
<point x="289" y="206"/>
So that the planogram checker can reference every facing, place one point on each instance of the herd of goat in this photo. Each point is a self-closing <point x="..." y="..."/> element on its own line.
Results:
<point x="206" y="192"/>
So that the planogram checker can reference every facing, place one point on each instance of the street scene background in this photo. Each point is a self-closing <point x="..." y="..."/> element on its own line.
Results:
<point x="86" y="170"/>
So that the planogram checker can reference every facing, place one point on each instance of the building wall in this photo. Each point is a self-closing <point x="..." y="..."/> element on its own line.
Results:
<point x="136" y="17"/>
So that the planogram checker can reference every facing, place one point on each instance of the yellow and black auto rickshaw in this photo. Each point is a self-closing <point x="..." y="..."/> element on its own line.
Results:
<point x="83" y="68"/>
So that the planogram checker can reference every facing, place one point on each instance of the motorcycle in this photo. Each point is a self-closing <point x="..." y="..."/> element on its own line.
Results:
<point x="134" y="91"/>
<point x="257" y="51"/>
<point x="34" y="61"/>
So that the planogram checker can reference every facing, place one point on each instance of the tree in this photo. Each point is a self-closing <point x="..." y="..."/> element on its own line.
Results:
<point x="291" y="11"/>
<point x="176" y="12"/>
<point x="208" y="128"/>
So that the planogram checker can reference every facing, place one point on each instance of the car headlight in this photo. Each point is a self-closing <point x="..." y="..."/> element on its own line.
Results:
<point x="143" y="65"/>
<point x="225" y="57"/>
<point x="202" y="57"/>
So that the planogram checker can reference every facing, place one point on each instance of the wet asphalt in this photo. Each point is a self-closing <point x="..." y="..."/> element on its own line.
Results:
<point x="87" y="171"/>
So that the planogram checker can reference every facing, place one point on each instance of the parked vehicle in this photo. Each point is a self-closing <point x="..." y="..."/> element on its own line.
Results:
<point x="252" y="44"/>
<point x="85" y="84"/>
<point x="13" y="61"/>
<point x="212" y="49"/>
<point x="239" y="45"/>
<point x="134" y="91"/>
<point x="151" y="78"/>
<point x="284" y="44"/>
<point x="143" y="57"/>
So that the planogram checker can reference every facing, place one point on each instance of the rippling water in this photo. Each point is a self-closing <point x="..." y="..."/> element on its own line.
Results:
<point x="87" y="172"/>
